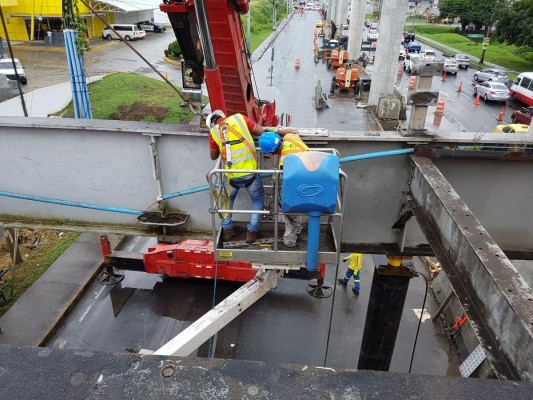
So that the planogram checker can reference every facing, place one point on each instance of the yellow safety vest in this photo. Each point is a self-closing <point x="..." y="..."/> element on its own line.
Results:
<point x="236" y="145"/>
<point x="291" y="144"/>
<point x="356" y="262"/>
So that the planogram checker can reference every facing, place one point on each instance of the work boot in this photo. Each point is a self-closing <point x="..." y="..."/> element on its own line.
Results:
<point x="230" y="233"/>
<point x="355" y="291"/>
<point x="342" y="281"/>
<point x="251" y="236"/>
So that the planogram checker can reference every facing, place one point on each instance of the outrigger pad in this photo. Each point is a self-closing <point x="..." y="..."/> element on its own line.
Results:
<point x="319" y="289"/>
<point x="156" y="218"/>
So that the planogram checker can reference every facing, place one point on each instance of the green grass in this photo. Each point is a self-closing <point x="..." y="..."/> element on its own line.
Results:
<point x="133" y="97"/>
<point x="261" y="18"/>
<point x="498" y="53"/>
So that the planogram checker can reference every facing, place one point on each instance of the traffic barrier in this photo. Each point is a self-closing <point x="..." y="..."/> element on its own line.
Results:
<point x="297" y="63"/>
<point x="460" y="88"/>
<point x="412" y="83"/>
<point x="399" y="74"/>
<point x="476" y="101"/>
<point x="444" y="76"/>
<point x="439" y="112"/>
<point x="500" y="115"/>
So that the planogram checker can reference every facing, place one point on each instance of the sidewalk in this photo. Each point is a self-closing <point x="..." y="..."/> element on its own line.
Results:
<point x="41" y="45"/>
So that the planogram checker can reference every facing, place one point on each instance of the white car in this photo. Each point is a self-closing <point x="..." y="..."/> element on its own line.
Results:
<point x="450" y="66"/>
<point x="373" y="34"/>
<point x="493" y="91"/>
<point x="411" y="60"/>
<point x="6" y="68"/>
<point x="401" y="55"/>
<point x="428" y="55"/>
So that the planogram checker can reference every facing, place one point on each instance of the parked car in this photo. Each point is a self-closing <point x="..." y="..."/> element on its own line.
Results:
<point x="372" y="34"/>
<point x="522" y="116"/>
<point x="151" y="27"/>
<point x="413" y="47"/>
<point x="6" y="68"/>
<point x="493" y="91"/>
<point x="511" y="128"/>
<point x="127" y="31"/>
<point x="408" y="37"/>
<point x="428" y="55"/>
<point x="411" y="59"/>
<point x="491" y="74"/>
<point x="462" y="60"/>
<point x="401" y="55"/>
<point x="450" y="66"/>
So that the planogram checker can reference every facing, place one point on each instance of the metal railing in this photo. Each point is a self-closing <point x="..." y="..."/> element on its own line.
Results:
<point x="220" y="189"/>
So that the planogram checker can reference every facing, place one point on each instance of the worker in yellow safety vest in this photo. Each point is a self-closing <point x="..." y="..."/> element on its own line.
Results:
<point x="271" y="143"/>
<point x="231" y="138"/>
<point x="354" y="266"/>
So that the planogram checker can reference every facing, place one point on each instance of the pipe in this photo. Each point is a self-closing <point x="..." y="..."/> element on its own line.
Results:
<point x="67" y="34"/>
<point x="313" y="240"/>
<point x="69" y="203"/>
<point x="377" y="154"/>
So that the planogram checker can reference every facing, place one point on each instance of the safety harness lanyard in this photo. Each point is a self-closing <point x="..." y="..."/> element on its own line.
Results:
<point x="226" y="144"/>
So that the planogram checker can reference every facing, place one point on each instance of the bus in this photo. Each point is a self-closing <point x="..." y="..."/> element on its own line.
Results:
<point x="522" y="88"/>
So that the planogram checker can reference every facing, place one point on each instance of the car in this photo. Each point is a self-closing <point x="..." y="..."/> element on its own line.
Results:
<point x="401" y="55"/>
<point x="511" y="128"/>
<point x="127" y="31"/>
<point x="522" y="116"/>
<point x="367" y="23"/>
<point x="410" y="62"/>
<point x="450" y="66"/>
<point x="428" y="55"/>
<point x="462" y="60"/>
<point x="491" y="74"/>
<point x="6" y="68"/>
<point x="408" y="37"/>
<point x="374" y="25"/>
<point x="151" y="27"/>
<point x="493" y="91"/>
<point x="413" y="47"/>
<point x="372" y="34"/>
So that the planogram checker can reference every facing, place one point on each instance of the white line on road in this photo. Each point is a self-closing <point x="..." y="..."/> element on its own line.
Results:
<point x="85" y="313"/>
<point x="99" y="293"/>
<point x="277" y="93"/>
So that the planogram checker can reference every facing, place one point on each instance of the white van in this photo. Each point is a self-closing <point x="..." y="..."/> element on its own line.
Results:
<point x="127" y="31"/>
<point x="522" y="88"/>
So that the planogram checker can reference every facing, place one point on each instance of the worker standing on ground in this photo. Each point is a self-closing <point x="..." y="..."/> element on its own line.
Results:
<point x="355" y="265"/>
<point x="271" y="143"/>
<point x="232" y="139"/>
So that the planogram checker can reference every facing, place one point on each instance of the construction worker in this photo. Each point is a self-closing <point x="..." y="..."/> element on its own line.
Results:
<point x="232" y="139"/>
<point x="354" y="266"/>
<point x="271" y="143"/>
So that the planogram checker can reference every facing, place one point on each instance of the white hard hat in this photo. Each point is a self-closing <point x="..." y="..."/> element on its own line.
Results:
<point x="212" y="118"/>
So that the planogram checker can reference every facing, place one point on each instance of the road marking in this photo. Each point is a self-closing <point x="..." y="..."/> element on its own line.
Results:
<point x="277" y="92"/>
<point x="99" y="293"/>
<point x="85" y="313"/>
<point x="462" y="94"/>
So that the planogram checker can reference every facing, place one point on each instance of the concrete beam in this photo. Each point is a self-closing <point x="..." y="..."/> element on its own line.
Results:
<point x="498" y="301"/>
<point x="391" y="26"/>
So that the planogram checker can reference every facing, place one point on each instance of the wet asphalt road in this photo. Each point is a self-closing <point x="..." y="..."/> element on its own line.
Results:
<point x="285" y="326"/>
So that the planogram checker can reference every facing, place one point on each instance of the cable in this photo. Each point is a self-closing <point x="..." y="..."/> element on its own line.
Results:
<point x="331" y="313"/>
<point x="419" y="320"/>
<point x="209" y="355"/>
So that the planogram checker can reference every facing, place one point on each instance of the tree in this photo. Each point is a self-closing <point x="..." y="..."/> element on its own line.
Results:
<point x="478" y="12"/>
<point x="515" y="24"/>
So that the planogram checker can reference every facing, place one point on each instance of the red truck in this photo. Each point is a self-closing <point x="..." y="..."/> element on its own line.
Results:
<point x="522" y="116"/>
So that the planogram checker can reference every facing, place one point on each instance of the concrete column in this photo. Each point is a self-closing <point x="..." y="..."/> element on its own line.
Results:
<point x="328" y="10"/>
<point x="333" y="11"/>
<point x="355" y="36"/>
<point x="392" y="22"/>
<point x="342" y="12"/>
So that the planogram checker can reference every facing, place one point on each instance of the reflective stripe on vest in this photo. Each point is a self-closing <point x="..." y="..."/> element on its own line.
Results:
<point x="241" y="145"/>
<point x="291" y="144"/>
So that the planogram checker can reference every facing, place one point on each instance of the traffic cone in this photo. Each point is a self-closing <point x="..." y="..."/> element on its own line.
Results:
<point x="412" y="83"/>
<point x="297" y="63"/>
<point x="444" y="76"/>
<point x="460" y="88"/>
<point x="476" y="102"/>
<point x="500" y="115"/>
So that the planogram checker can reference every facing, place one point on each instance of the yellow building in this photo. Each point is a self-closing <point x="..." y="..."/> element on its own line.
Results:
<point x="32" y="19"/>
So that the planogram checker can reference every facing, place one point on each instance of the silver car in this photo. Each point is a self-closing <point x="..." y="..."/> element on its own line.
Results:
<point x="493" y="91"/>
<point x="491" y="74"/>
<point x="462" y="60"/>
<point x="450" y="66"/>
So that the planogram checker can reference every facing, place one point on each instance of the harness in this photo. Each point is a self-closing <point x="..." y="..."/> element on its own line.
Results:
<point x="224" y="128"/>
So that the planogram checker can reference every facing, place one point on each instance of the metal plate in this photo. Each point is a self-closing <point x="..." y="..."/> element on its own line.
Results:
<point x="472" y="361"/>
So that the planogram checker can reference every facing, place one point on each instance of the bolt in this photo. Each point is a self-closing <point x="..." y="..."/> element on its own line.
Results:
<point x="168" y="371"/>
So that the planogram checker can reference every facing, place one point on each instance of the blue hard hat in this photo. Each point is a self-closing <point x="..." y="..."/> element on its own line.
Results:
<point x="269" y="142"/>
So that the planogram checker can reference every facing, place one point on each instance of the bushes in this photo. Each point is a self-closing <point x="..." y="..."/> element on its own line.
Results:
<point x="173" y="50"/>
